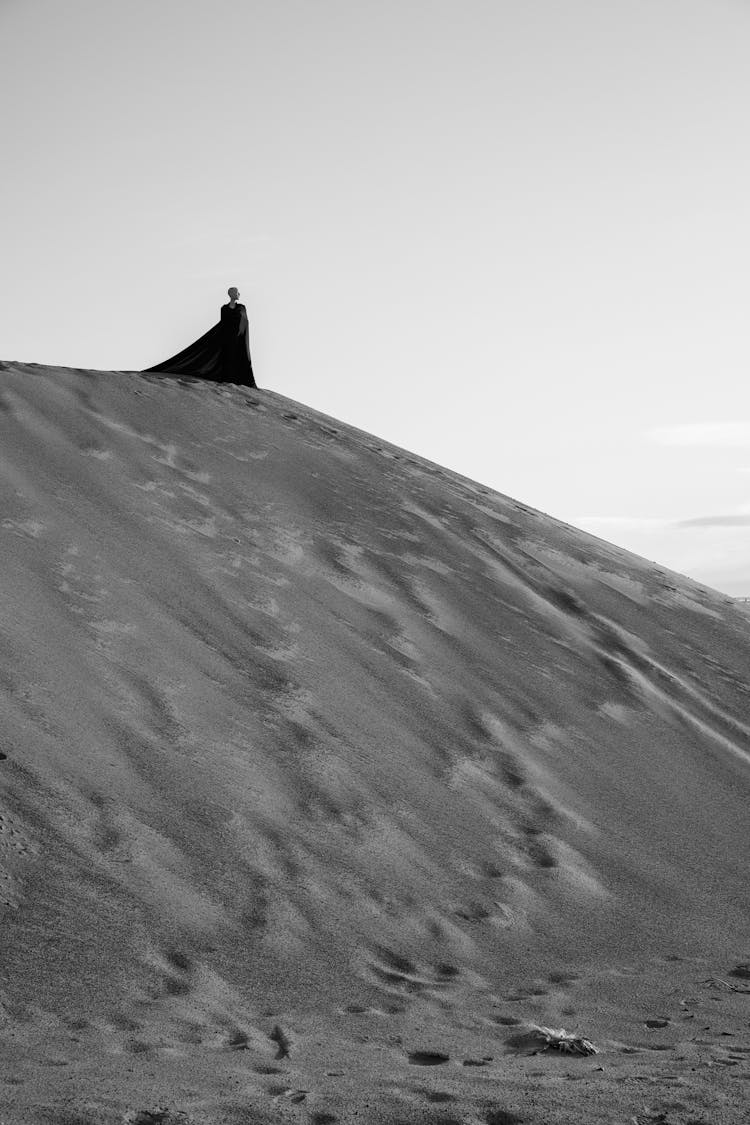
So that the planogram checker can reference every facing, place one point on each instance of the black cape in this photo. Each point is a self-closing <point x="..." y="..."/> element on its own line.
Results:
<point x="223" y="353"/>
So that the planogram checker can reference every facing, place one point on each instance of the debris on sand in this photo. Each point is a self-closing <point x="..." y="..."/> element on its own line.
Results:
<point x="720" y="982"/>
<point x="558" y="1039"/>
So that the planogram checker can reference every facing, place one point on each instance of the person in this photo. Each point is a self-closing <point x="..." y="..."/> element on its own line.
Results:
<point x="222" y="353"/>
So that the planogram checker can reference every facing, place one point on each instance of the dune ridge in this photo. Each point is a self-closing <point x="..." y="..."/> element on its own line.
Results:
<point x="324" y="767"/>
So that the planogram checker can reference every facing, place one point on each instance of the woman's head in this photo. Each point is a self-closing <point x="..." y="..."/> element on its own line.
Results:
<point x="233" y="293"/>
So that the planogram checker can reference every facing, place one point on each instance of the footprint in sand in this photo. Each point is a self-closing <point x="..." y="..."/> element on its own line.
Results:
<point x="160" y="1116"/>
<point x="238" y="1041"/>
<point x="282" y="1041"/>
<point x="16" y="849"/>
<point x="393" y="969"/>
<point x="282" y="1091"/>
<point x="563" y="977"/>
<point x="428" y="1058"/>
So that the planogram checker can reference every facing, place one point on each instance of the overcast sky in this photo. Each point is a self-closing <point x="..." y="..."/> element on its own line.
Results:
<point x="511" y="235"/>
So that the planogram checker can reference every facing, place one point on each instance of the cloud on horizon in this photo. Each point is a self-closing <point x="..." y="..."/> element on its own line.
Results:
<point x="716" y="521"/>
<point x="740" y="518"/>
<point x="709" y="434"/>
<point x="623" y="523"/>
<point x="713" y="549"/>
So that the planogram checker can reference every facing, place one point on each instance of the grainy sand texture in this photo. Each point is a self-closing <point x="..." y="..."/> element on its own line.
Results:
<point x="327" y="775"/>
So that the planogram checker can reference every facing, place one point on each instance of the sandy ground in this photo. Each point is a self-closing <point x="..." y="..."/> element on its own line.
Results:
<point x="326" y="773"/>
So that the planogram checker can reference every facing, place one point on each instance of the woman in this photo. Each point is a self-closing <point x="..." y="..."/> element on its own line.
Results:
<point x="223" y="353"/>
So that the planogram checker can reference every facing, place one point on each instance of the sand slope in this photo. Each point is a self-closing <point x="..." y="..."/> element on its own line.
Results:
<point x="326" y="771"/>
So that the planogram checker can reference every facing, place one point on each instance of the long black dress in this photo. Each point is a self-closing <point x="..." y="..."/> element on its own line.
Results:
<point x="223" y="353"/>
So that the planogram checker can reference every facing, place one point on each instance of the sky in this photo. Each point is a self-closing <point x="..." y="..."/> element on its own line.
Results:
<point x="512" y="236"/>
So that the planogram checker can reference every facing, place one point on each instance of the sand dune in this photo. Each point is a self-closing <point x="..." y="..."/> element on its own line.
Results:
<point x="326" y="774"/>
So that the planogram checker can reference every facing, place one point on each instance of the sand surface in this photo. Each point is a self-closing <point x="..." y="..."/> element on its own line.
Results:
<point x="326" y="773"/>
